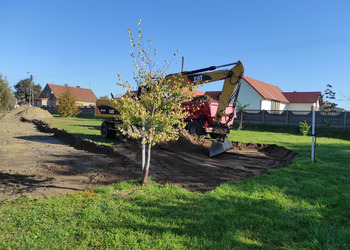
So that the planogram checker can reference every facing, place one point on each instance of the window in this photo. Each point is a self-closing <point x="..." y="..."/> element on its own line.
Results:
<point x="275" y="105"/>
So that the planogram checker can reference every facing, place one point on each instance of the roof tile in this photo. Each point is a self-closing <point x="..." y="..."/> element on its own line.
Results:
<point x="80" y="94"/>
<point x="267" y="91"/>
<point x="302" y="97"/>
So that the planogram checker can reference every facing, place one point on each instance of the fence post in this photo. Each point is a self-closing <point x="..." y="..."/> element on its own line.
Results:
<point x="263" y="117"/>
<point x="313" y="145"/>
<point x="344" y="127"/>
<point x="287" y="116"/>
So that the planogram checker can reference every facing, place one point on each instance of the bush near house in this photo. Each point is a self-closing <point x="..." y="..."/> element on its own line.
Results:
<point x="66" y="105"/>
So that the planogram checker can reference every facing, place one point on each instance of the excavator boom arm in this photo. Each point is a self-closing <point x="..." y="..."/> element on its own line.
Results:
<point x="230" y="86"/>
<point x="232" y="79"/>
<point x="229" y="91"/>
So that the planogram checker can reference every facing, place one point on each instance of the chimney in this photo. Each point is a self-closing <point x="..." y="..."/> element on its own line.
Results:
<point x="78" y="86"/>
<point x="66" y="85"/>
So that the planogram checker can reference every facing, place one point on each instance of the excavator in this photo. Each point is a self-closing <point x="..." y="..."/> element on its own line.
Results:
<point x="218" y="126"/>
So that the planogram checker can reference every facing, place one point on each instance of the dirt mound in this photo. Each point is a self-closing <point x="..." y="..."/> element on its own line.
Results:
<point x="41" y="165"/>
<point x="28" y="113"/>
<point x="204" y="98"/>
<point x="31" y="113"/>
<point x="186" y="143"/>
<point x="243" y="146"/>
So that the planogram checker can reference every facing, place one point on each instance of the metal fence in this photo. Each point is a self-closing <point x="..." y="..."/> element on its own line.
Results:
<point x="272" y="118"/>
<point x="293" y="118"/>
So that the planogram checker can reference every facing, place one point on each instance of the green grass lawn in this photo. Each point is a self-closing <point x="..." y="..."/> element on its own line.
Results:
<point x="85" y="126"/>
<point x="302" y="206"/>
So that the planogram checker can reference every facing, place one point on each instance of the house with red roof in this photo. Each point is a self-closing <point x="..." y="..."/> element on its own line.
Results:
<point x="133" y="93"/>
<point x="264" y="96"/>
<point x="304" y="100"/>
<point x="52" y="92"/>
<point x="261" y="95"/>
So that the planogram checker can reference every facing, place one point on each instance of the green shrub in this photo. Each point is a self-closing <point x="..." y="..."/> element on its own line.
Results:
<point x="66" y="105"/>
<point x="304" y="128"/>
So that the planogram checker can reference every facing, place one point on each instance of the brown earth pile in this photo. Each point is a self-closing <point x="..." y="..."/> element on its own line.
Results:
<point x="38" y="164"/>
<point x="28" y="113"/>
<point x="204" y="98"/>
<point x="186" y="143"/>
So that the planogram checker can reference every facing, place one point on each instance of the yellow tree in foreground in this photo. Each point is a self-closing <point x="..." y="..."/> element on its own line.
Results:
<point x="156" y="115"/>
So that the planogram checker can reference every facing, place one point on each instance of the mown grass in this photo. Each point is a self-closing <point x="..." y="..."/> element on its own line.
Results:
<point x="302" y="206"/>
<point x="85" y="126"/>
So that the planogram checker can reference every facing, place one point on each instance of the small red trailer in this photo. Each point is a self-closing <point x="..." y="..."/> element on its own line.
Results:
<point x="202" y="116"/>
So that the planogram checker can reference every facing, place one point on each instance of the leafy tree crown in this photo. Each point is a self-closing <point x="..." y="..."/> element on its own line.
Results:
<point x="159" y="105"/>
<point x="6" y="95"/>
<point x="66" y="105"/>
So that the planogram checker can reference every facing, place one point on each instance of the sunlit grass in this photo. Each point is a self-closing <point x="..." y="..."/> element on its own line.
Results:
<point x="86" y="126"/>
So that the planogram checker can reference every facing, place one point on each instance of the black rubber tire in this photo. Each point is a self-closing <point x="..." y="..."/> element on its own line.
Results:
<point x="106" y="133"/>
<point x="195" y="128"/>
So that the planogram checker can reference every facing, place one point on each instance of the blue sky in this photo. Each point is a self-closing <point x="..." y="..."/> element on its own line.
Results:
<point x="296" y="45"/>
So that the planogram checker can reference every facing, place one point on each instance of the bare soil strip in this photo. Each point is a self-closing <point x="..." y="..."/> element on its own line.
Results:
<point x="51" y="162"/>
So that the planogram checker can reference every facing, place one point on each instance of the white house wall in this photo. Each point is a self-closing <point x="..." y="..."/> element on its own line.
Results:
<point x="266" y="104"/>
<point x="248" y="95"/>
<point x="284" y="106"/>
<point x="301" y="106"/>
<point x="85" y="104"/>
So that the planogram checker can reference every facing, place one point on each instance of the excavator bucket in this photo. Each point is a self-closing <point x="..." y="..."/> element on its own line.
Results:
<point x="220" y="146"/>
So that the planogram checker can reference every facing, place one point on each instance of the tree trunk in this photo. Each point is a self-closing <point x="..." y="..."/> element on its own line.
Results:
<point x="145" y="171"/>
<point x="144" y="177"/>
<point x="143" y="141"/>
<point x="241" y="122"/>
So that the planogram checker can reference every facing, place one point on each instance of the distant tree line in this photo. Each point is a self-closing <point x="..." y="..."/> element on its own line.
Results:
<point x="7" y="98"/>
<point x="22" y="92"/>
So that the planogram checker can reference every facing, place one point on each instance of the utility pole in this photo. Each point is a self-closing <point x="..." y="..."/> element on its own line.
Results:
<point x="31" y="91"/>
<point x="313" y="145"/>
<point x="31" y="97"/>
<point x="183" y="64"/>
